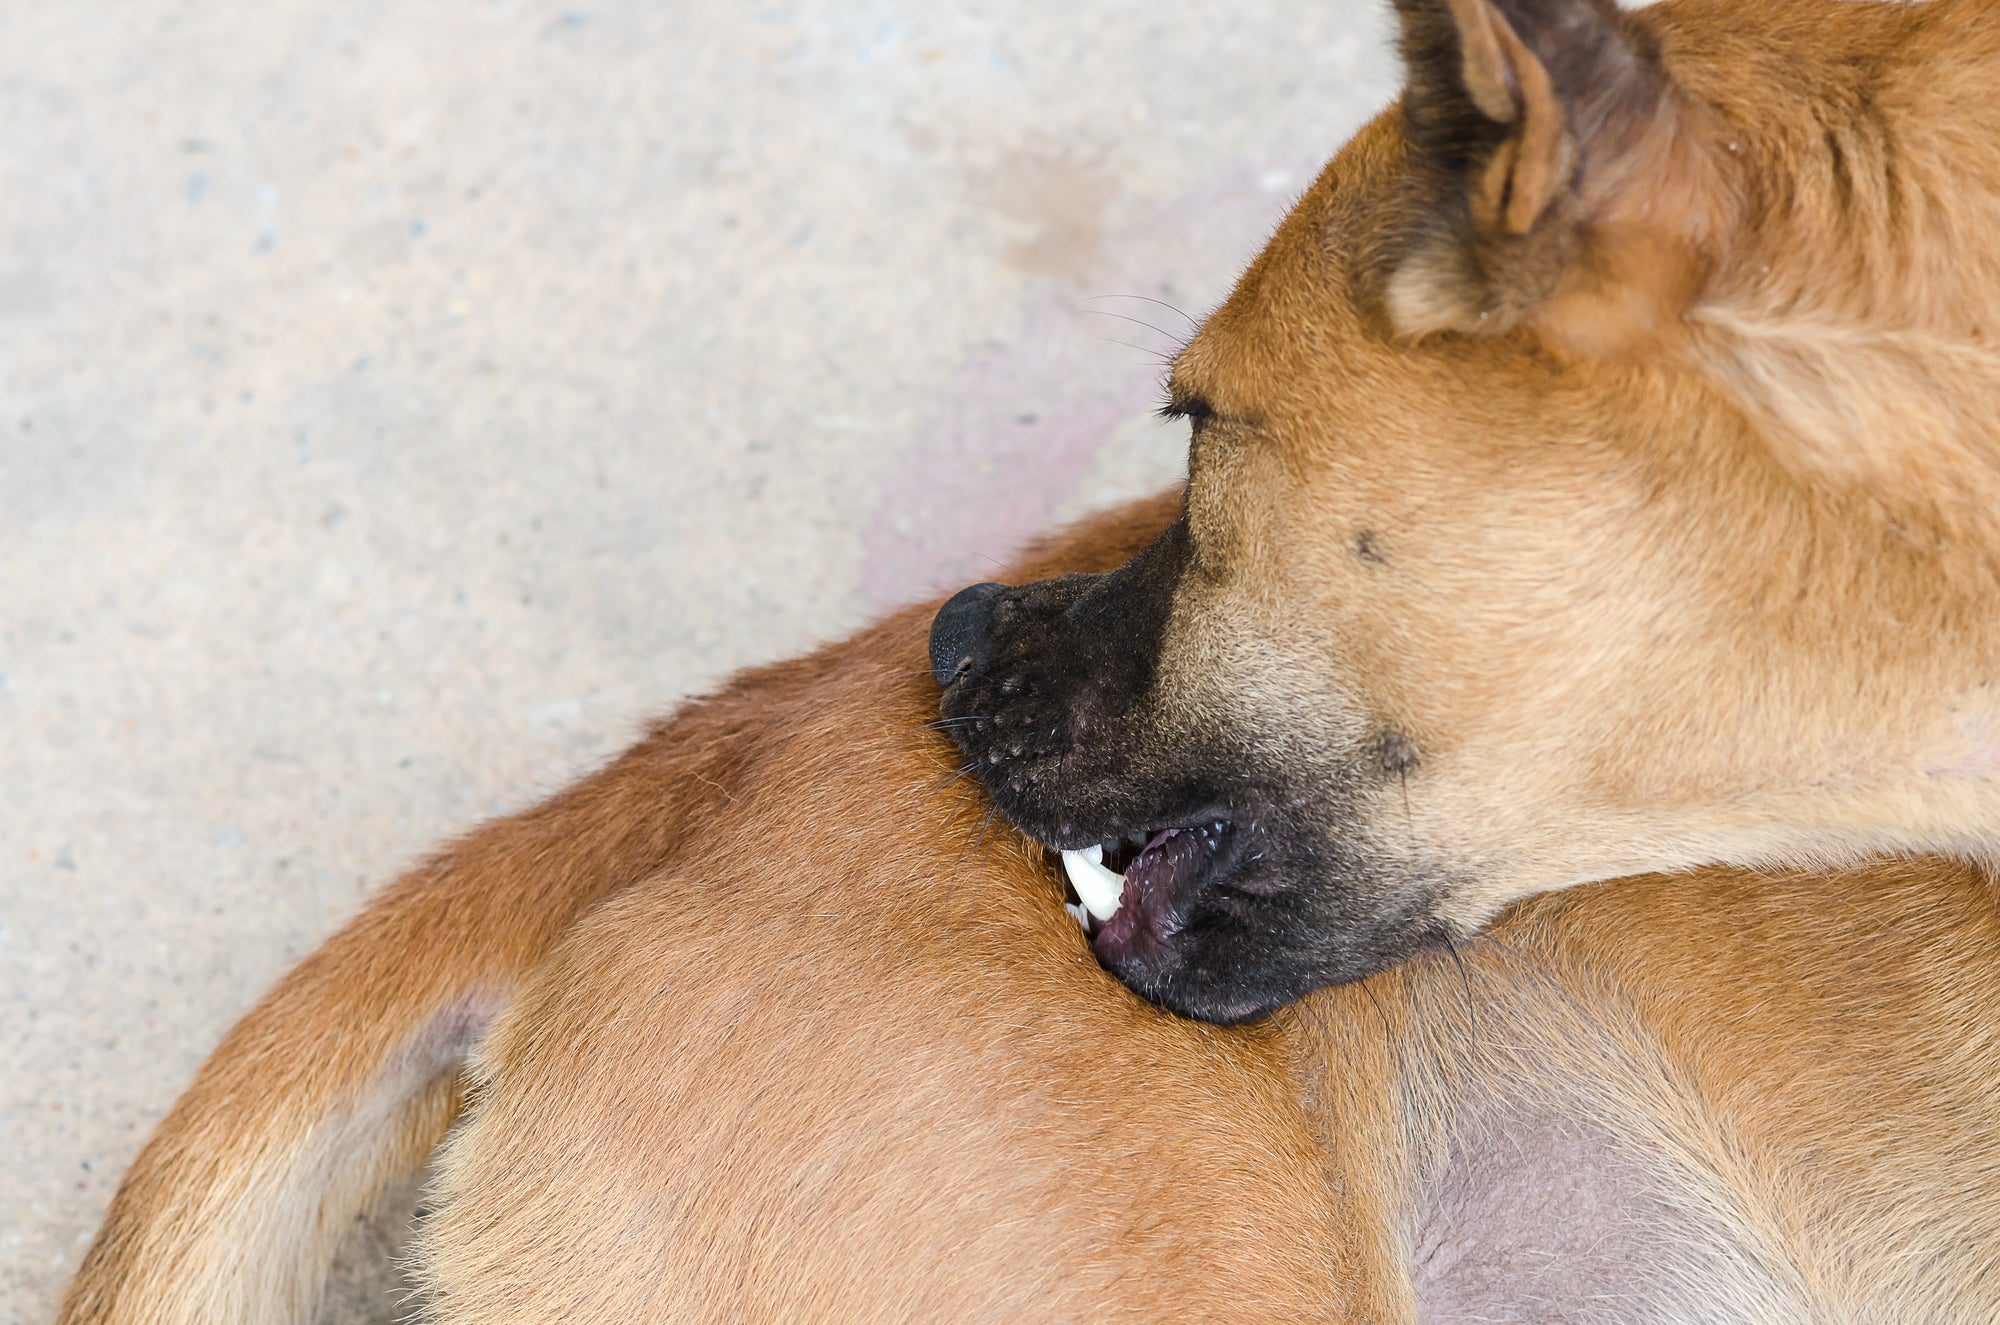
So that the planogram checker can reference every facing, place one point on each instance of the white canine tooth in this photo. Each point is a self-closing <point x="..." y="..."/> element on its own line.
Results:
<point x="1098" y="887"/>
<point x="1081" y="916"/>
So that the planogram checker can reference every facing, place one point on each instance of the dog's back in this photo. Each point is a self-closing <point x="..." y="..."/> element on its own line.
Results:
<point x="1719" y="1097"/>
<point x="845" y="1058"/>
<point x="855" y="1064"/>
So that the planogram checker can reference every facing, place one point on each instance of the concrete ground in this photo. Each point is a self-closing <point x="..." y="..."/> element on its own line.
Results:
<point x="400" y="402"/>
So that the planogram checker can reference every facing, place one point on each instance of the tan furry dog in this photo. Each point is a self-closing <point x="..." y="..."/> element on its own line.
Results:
<point x="1542" y="473"/>
<point x="1597" y="473"/>
<point x="756" y="1034"/>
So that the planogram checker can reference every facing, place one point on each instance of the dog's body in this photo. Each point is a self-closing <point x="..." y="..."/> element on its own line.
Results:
<point x="765" y="1024"/>
<point x="823" y="1050"/>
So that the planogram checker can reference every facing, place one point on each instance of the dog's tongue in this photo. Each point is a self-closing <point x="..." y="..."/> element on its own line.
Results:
<point x="1133" y="909"/>
<point x="1145" y="920"/>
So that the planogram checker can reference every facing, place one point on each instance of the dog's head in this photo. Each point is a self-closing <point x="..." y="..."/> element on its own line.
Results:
<point x="1468" y="526"/>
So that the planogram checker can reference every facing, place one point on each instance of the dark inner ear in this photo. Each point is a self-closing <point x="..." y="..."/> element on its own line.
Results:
<point x="1542" y="126"/>
<point x="1459" y="104"/>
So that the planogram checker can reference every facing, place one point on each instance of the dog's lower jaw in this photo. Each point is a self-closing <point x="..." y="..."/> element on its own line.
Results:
<point x="1238" y="905"/>
<point x="1230" y="979"/>
<point x="1228" y="923"/>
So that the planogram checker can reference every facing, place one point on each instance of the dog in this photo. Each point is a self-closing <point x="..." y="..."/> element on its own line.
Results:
<point x="761" y="1023"/>
<point x="1595" y="475"/>
<point x="758" y="1024"/>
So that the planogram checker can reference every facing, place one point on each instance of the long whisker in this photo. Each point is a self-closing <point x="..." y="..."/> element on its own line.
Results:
<point x="1465" y="981"/>
<point x="947" y="780"/>
<point x="1526" y="959"/>
<point x="985" y="825"/>
<point x="1148" y="299"/>
<point x="1589" y="1014"/>
<point x="1153" y="354"/>
<point x="1539" y="969"/>
<point x="1180" y="342"/>
<point x="1368" y="988"/>
<point x="951" y="881"/>
<point x="942" y="723"/>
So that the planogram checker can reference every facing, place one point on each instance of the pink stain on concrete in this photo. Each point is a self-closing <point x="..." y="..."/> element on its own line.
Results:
<point x="1015" y="432"/>
<point x="1024" y="419"/>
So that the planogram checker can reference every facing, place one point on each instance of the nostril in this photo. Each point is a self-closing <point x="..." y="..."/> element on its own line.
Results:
<point x="962" y="633"/>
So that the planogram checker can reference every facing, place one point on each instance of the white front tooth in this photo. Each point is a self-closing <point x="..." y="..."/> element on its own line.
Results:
<point x="1097" y="887"/>
<point x="1081" y="916"/>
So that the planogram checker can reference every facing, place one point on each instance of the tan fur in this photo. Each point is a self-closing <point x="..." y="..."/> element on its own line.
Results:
<point x="844" y="1058"/>
<point x="875" y="1149"/>
<point x="1690" y="558"/>
<point x="1685" y="556"/>
<point x="344" y="1075"/>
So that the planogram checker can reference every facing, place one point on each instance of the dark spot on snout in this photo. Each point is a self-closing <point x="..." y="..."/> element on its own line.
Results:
<point x="962" y="633"/>
<point x="1399" y="753"/>
<point x="1369" y="548"/>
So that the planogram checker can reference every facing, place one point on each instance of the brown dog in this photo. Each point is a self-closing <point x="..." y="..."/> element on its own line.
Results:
<point x="763" y="1027"/>
<point x="1596" y="474"/>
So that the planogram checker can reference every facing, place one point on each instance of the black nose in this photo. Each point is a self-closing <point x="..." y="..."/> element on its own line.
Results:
<point x="962" y="633"/>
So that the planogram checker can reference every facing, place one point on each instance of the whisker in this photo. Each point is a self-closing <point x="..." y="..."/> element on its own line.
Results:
<point x="985" y="825"/>
<point x="1148" y="299"/>
<point x="1368" y="988"/>
<point x="958" y="866"/>
<point x="1528" y="960"/>
<point x="1538" y="968"/>
<point x="1588" y="1014"/>
<point x="942" y="723"/>
<point x="947" y="781"/>
<point x="1465" y="981"/>
<point x="1180" y="342"/>
<point x="1150" y="353"/>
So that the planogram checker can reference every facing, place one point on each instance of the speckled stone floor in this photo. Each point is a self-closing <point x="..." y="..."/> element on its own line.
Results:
<point x="400" y="402"/>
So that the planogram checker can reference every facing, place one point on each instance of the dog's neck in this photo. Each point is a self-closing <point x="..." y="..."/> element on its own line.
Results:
<point x="1854" y="321"/>
<point x="1856" y="709"/>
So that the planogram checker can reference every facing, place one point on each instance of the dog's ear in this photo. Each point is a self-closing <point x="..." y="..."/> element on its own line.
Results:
<point x="1569" y="186"/>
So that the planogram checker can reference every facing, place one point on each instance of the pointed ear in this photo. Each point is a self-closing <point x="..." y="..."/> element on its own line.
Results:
<point x="1569" y="185"/>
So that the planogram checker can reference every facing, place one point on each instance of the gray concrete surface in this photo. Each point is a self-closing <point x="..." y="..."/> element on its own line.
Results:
<point x="400" y="402"/>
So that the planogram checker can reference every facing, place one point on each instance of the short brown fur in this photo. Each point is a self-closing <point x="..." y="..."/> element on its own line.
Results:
<point x="1647" y="353"/>
<point x="823" y="1050"/>
<point x="1683" y="553"/>
<point x="1712" y="576"/>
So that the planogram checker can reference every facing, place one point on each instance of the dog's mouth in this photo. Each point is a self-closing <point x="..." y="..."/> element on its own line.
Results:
<point x="1130" y="892"/>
